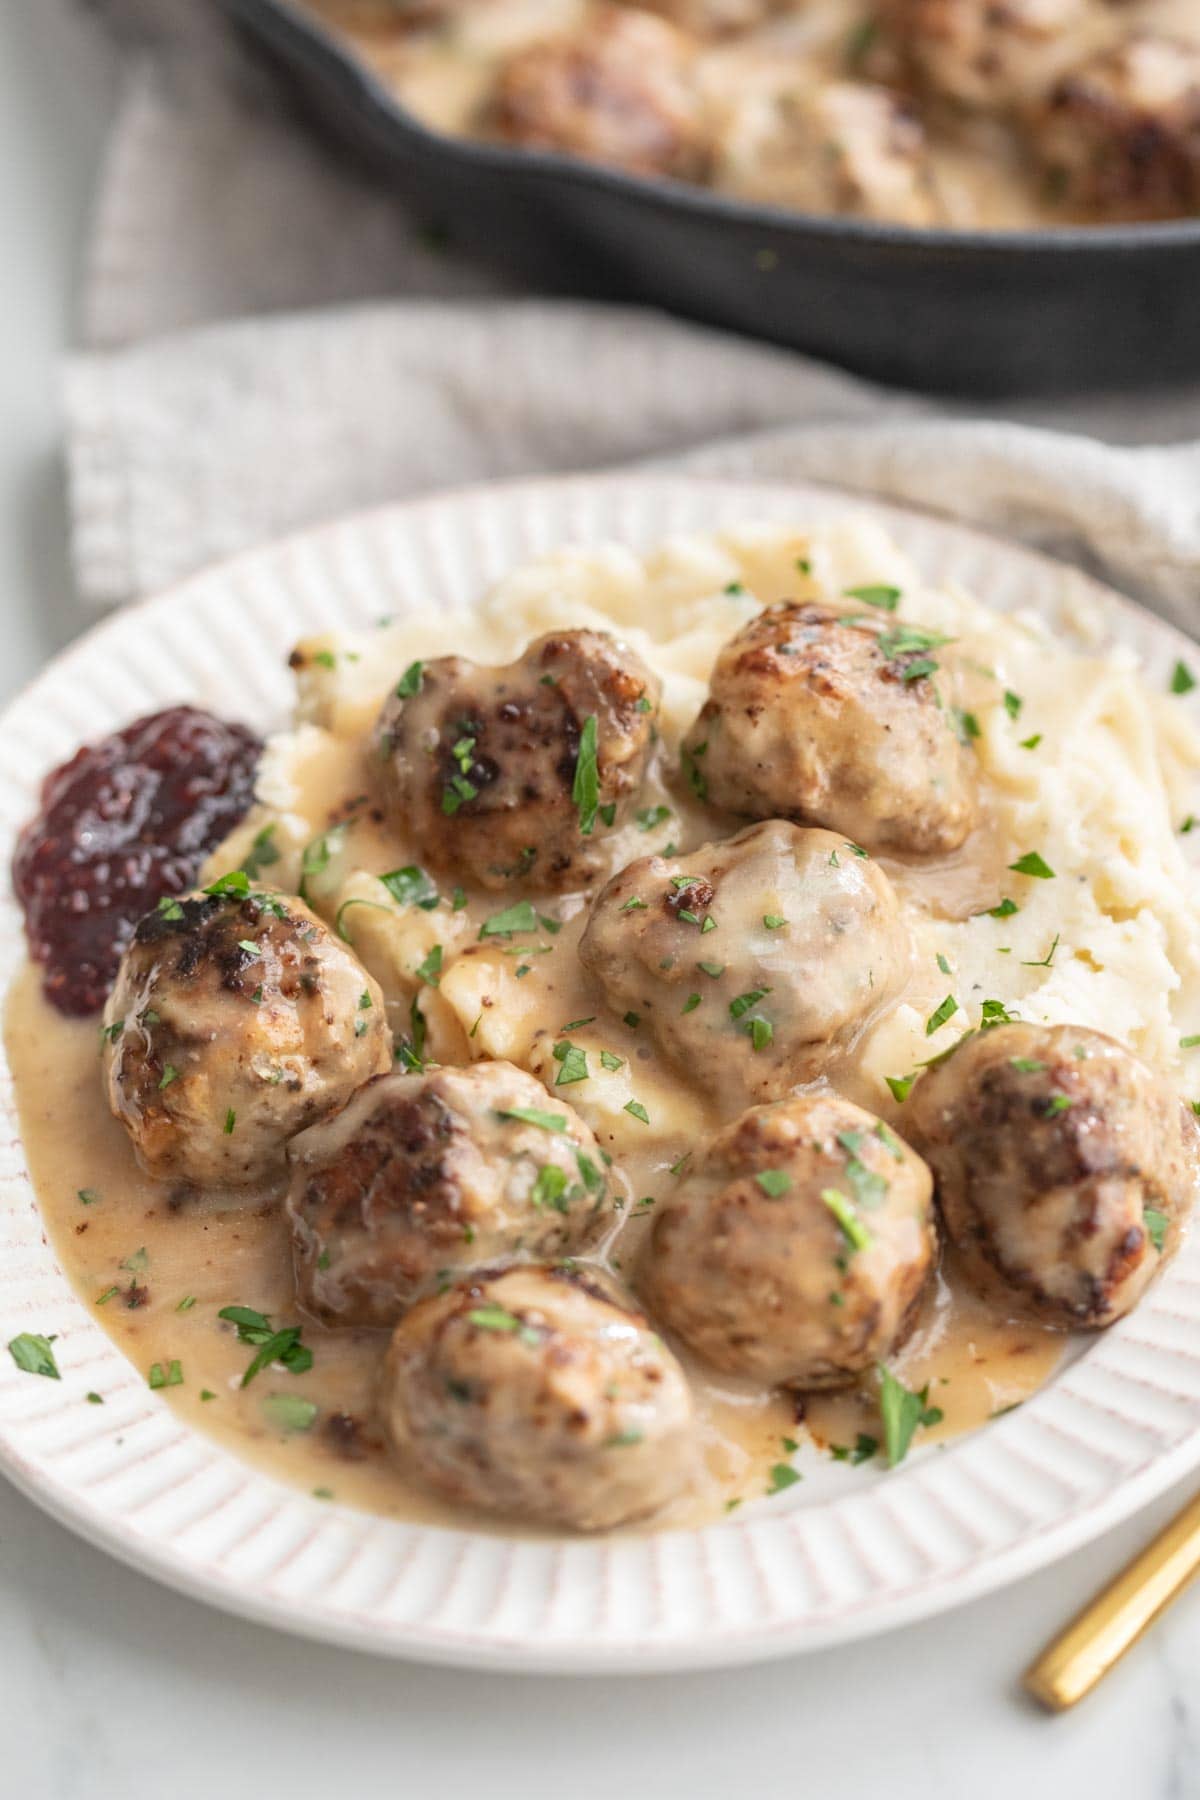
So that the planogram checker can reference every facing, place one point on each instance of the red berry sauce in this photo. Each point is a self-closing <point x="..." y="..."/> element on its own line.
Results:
<point x="124" y="822"/>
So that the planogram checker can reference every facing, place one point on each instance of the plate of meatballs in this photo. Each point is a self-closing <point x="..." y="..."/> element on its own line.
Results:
<point x="600" y="1074"/>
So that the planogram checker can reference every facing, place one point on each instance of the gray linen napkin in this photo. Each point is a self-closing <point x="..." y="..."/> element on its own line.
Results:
<point x="269" y="343"/>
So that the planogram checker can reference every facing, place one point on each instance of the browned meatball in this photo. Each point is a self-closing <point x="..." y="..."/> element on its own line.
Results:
<point x="425" y="1174"/>
<point x="986" y="55"/>
<point x="236" y="1020"/>
<point x="836" y="718"/>
<point x="1120" y="135"/>
<point x="797" y="1246"/>
<point x="752" y="962"/>
<point x="614" y="91"/>
<point x="1064" y="1167"/>
<point x="539" y="1392"/>
<point x="516" y="774"/>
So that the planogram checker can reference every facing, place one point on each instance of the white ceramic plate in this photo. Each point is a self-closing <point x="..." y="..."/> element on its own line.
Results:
<point x="824" y="1563"/>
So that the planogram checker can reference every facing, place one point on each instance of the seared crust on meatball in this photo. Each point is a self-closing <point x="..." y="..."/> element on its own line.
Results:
<point x="483" y="766"/>
<point x="426" y="1174"/>
<point x="1120" y="135"/>
<point x="796" y="1248"/>
<point x="614" y="91"/>
<point x="236" y="1021"/>
<point x="752" y="962"/>
<point x="540" y="1393"/>
<point x="1060" y="1159"/>
<point x="836" y="718"/>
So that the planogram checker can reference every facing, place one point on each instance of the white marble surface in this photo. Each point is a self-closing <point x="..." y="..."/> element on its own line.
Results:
<point x="113" y="1689"/>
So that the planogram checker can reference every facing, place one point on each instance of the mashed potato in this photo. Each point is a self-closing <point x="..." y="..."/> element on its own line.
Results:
<point x="1085" y="773"/>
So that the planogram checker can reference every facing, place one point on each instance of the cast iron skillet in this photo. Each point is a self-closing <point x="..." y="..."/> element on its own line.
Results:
<point x="960" y="312"/>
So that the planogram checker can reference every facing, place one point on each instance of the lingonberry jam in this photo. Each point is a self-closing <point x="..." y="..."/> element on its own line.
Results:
<point x="125" y="821"/>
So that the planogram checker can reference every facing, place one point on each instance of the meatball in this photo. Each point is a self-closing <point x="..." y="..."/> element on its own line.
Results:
<point x="752" y="962"/>
<point x="425" y="1174"/>
<point x="538" y="1392"/>
<point x="237" y="1019"/>
<point x="1120" y="134"/>
<point x="515" y="774"/>
<point x="797" y="1246"/>
<point x="834" y="718"/>
<point x="1064" y="1168"/>
<point x="987" y="55"/>
<point x="614" y="91"/>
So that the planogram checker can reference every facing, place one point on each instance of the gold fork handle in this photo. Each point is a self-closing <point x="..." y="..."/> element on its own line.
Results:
<point x="1110" y="1624"/>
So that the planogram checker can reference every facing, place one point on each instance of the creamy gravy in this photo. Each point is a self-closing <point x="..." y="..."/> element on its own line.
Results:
<point x="156" y="1269"/>
<point x="982" y="174"/>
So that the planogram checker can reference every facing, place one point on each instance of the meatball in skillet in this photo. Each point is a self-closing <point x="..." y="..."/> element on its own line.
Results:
<point x="424" y="1174"/>
<point x="1120" y="134"/>
<point x="751" y="962"/>
<point x="539" y="1393"/>
<point x="615" y="91"/>
<point x="515" y="774"/>
<point x="797" y="1246"/>
<point x="1064" y="1168"/>
<point x="985" y="56"/>
<point x="237" y="1019"/>
<point x="836" y="718"/>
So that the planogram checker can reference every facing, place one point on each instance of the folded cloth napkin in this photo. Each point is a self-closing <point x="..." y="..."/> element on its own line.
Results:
<point x="268" y="343"/>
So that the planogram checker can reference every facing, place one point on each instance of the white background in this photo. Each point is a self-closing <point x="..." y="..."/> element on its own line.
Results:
<point x="112" y="1689"/>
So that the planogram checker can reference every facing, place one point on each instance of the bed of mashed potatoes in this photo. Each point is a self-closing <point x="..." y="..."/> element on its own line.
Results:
<point x="1081" y="764"/>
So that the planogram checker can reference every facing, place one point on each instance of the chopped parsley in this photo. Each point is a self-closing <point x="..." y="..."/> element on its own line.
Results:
<point x="650" y="816"/>
<point x="711" y="969"/>
<point x="572" y="1063"/>
<point x="783" y="1476"/>
<point x="902" y="1411"/>
<point x="34" y="1355"/>
<point x="691" y="1003"/>
<point x="532" y="1115"/>
<point x="498" y="1318"/>
<point x="411" y="682"/>
<point x="1058" y="1103"/>
<point x="869" y="1186"/>
<point x="638" y="1111"/>
<point x="842" y="1208"/>
<point x="1047" y="961"/>
<point x="550" y="1188"/>
<point x="863" y="1449"/>
<point x="692" y="771"/>
<point x="744" y="1002"/>
<point x="1156" y="1226"/>
<point x="994" y="1012"/>
<point x="610" y="1061"/>
<point x="1026" y="1065"/>
<point x="282" y="1346"/>
<point x="411" y="886"/>
<point x="165" y="1375"/>
<point x="774" y="921"/>
<point x="632" y="1019"/>
<point x="263" y="853"/>
<point x="1031" y="743"/>
<point x="940" y="1014"/>
<point x="317" y="855"/>
<point x="86" y="1196"/>
<point x="430" y="969"/>
<point x="585" y="789"/>
<point x="289" y="1412"/>
<point x="1004" y="910"/>
<point x="1182" y="679"/>
<point x="886" y="598"/>
<point x="1012" y="703"/>
<point x="901" y="1087"/>
<point x="774" y="1182"/>
<point x="520" y="917"/>
<point x="230" y="1122"/>
<point x="170" y="1073"/>
<point x="1034" y="865"/>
